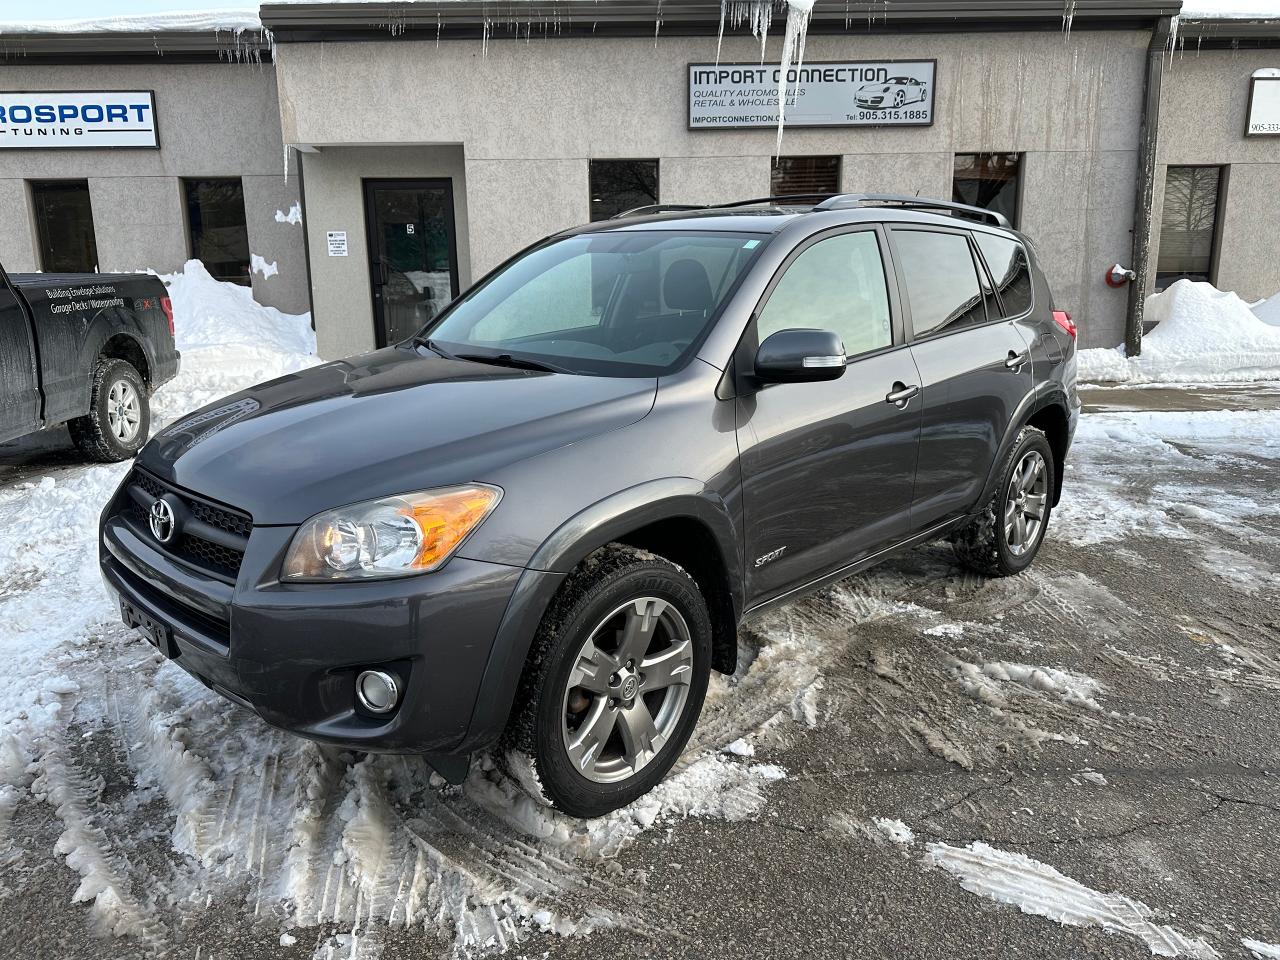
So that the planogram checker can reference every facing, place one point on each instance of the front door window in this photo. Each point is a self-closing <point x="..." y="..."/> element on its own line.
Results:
<point x="413" y="253"/>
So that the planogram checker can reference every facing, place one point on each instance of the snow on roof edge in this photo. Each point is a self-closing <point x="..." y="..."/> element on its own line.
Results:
<point x="1230" y="10"/>
<point x="235" y="19"/>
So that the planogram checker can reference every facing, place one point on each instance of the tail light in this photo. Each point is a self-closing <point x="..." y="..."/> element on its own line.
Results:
<point x="167" y="306"/>
<point x="1063" y="319"/>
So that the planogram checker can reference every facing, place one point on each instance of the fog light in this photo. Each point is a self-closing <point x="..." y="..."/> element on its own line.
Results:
<point x="378" y="692"/>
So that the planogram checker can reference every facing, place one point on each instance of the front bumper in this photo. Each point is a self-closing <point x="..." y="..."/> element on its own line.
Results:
<point x="291" y="652"/>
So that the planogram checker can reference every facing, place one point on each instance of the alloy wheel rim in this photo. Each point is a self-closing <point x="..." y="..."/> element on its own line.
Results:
<point x="1026" y="503"/>
<point x="124" y="411"/>
<point x="627" y="690"/>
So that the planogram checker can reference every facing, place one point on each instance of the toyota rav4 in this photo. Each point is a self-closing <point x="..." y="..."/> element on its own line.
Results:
<point x="536" y="526"/>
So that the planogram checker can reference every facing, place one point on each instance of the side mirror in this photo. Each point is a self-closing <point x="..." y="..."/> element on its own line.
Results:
<point x="800" y="356"/>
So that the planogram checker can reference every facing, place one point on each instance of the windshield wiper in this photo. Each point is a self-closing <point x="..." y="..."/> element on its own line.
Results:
<point x="418" y="340"/>
<point x="517" y="363"/>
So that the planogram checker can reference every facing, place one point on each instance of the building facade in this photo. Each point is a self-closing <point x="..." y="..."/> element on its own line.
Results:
<point x="427" y="144"/>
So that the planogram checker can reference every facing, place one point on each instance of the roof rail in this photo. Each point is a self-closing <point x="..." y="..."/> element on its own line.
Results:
<point x="848" y="200"/>
<point x="657" y="208"/>
<point x="791" y="199"/>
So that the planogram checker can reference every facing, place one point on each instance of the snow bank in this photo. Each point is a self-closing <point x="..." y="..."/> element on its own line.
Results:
<point x="228" y="341"/>
<point x="1202" y="335"/>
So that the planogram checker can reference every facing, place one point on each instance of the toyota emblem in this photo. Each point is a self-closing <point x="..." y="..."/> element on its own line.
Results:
<point x="161" y="521"/>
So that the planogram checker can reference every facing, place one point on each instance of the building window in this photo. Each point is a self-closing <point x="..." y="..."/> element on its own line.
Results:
<point x="989" y="181"/>
<point x="805" y="176"/>
<point x="64" y="225"/>
<point x="215" y="220"/>
<point x="620" y="185"/>
<point x="1189" y="224"/>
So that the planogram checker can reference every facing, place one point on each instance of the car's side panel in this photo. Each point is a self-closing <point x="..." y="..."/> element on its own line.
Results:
<point x="19" y="387"/>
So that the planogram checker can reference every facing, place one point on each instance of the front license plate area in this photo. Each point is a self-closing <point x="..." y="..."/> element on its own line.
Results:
<point x="159" y="635"/>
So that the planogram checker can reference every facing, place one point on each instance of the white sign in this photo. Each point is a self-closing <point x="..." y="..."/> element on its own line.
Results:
<point x="835" y="94"/>
<point x="1264" y="107"/>
<point x="82" y="119"/>
<point x="337" y="243"/>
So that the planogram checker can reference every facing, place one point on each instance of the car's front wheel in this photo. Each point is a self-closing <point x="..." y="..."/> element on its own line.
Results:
<point x="614" y="683"/>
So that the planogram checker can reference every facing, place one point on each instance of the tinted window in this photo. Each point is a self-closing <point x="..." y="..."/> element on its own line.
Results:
<point x="64" y="225"/>
<point x="804" y="175"/>
<point x="219" y="238"/>
<point x="620" y="304"/>
<point x="1188" y="224"/>
<point x="1007" y="260"/>
<point x="988" y="180"/>
<point x="620" y="185"/>
<point x="942" y="281"/>
<point x="837" y="284"/>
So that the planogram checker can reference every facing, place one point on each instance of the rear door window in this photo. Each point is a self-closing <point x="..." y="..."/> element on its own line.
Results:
<point x="837" y="284"/>
<point x="1007" y="261"/>
<point x="942" y="281"/>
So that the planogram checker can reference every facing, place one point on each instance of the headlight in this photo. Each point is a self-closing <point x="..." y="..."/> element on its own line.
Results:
<point x="391" y="537"/>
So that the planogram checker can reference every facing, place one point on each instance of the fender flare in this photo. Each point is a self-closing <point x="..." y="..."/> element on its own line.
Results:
<point x="601" y="523"/>
<point x="1031" y="404"/>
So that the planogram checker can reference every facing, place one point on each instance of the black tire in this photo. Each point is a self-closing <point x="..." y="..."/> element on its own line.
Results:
<point x="93" y="433"/>
<point x="607" y="580"/>
<point x="982" y="545"/>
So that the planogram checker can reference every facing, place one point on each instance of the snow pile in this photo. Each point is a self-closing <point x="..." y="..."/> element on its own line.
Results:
<point x="236" y="19"/>
<point x="1263" y="951"/>
<point x="1229" y="9"/>
<point x="1268" y="311"/>
<point x="1202" y="335"/>
<point x="1038" y="889"/>
<point x="228" y="341"/>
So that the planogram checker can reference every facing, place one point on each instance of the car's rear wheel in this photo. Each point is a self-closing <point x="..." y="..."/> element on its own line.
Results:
<point x="1006" y="536"/>
<point x="614" y="684"/>
<point x="119" y="417"/>
<point x="899" y="99"/>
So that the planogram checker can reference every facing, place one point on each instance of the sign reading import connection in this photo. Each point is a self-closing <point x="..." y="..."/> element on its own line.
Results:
<point x="80" y="119"/>
<point x="844" y="94"/>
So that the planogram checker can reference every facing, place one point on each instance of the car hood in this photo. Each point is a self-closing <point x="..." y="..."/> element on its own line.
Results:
<point x="388" y="422"/>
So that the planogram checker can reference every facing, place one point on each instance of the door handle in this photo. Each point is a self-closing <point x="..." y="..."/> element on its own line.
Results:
<point x="1016" y="360"/>
<point x="901" y="394"/>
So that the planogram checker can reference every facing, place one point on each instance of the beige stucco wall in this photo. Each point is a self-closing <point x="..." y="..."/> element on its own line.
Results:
<point x="335" y="201"/>
<point x="215" y="120"/>
<point x="529" y="116"/>
<point x="1204" y="102"/>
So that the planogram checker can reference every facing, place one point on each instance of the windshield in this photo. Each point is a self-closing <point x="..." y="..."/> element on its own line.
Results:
<point x="610" y="304"/>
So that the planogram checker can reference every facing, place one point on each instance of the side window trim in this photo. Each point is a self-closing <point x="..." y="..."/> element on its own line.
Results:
<point x="896" y="325"/>
<point x="995" y="287"/>
<point x="980" y="271"/>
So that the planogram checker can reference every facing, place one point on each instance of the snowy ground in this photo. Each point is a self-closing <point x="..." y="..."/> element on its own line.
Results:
<point x="1077" y="762"/>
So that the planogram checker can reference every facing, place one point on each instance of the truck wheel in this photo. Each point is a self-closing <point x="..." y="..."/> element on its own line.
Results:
<point x="614" y="683"/>
<point x="1022" y="503"/>
<point x="119" y="417"/>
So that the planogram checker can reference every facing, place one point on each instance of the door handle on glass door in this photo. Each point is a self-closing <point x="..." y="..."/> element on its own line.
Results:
<point x="1016" y="360"/>
<point x="901" y="394"/>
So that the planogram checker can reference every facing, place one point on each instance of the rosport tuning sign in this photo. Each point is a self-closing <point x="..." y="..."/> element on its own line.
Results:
<point x="823" y="94"/>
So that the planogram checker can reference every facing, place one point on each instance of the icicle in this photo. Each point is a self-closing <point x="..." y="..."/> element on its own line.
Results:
<point x="1068" y="16"/>
<point x="1173" y="39"/>
<point x="720" y="36"/>
<point x="798" y="14"/>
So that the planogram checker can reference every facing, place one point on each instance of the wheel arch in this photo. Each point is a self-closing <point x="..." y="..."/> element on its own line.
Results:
<point x="127" y="347"/>
<point x="1047" y="412"/>
<point x="676" y="518"/>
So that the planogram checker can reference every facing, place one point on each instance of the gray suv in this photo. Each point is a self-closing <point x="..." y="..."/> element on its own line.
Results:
<point x="537" y="525"/>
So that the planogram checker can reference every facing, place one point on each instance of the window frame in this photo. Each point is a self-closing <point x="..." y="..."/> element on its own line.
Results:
<point x="745" y="353"/>
<point x="657" y="184"/>
<point x="991" y="276"/>
<point x="985" y="283"/>
<point x="183" y="183"/>
<point x="1219" y="209"/>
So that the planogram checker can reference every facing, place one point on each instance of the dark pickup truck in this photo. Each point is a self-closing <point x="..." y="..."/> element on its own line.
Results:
<point x="87" y="350"/>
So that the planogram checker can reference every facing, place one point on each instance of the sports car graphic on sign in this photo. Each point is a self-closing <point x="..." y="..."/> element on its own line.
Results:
<point x="894" y="92"/>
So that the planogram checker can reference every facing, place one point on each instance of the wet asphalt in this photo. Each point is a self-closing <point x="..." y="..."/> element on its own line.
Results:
<point x="1167" y="789"/>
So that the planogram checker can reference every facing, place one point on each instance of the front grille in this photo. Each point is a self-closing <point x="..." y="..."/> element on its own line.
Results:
<point x="212" y="537"/>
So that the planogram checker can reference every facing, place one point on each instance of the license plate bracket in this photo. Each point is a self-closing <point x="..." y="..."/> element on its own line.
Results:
<point x="159" y="635"/>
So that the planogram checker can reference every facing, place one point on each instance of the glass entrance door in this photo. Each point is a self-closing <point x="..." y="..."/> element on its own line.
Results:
<point x="412" y="251"/>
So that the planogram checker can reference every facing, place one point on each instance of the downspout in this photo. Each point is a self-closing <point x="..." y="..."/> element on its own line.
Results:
<point x="1148" y="139"/>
